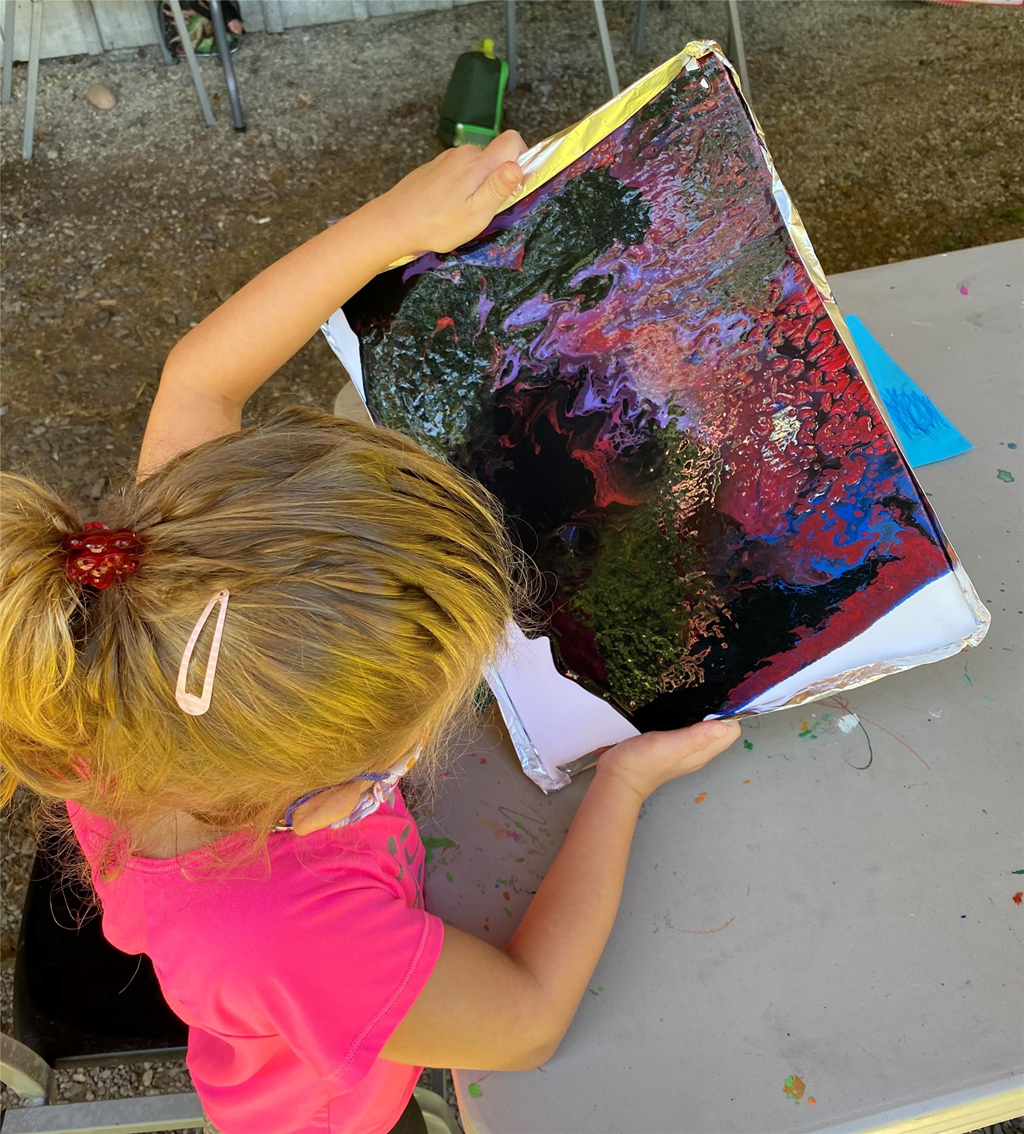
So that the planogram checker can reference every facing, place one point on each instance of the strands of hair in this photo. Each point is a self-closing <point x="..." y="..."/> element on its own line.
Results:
<point x="370" y="583"/>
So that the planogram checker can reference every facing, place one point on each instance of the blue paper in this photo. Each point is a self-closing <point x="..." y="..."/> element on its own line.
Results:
<point x="923" y="430"/>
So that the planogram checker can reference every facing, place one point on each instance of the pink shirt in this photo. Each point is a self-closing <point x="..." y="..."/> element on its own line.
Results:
<point x="292" y="975"/>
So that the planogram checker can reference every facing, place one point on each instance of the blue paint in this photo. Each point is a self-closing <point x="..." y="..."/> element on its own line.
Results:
<point x="923" y="430"/>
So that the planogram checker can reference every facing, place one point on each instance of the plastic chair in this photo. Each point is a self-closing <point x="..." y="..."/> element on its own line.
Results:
<point x="79" y="1000"/>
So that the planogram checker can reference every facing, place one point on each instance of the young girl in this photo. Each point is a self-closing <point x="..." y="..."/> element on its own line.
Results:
<point x="227" y="683"/>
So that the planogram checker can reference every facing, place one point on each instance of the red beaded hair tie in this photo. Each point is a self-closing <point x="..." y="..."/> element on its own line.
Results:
<point x="97" y="556"/>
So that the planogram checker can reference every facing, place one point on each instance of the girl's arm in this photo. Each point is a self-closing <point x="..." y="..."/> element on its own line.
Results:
<point x="537" y="982"/>
<point x="217" y="365"/>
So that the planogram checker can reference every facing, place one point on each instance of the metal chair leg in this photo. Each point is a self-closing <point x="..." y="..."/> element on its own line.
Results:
<point x="220" y="34"/>
<point x="158" y="31"/>
<point x="190" y="56"/>
<point x="606" y="46"/>
<point x="34" y="40"/>
<point x="8" y="49"/>
<point x="736" y="52"/>
<point x="640" y="44"/>
<point x="510" y="44"/>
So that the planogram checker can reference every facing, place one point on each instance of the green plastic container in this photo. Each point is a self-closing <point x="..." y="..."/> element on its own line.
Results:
<point x="471" y="111"/>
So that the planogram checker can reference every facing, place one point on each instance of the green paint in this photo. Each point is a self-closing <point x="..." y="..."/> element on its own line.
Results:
<point x="435" y="391"/>
<point x="808" y="733"/>
<point x="449" y="876"/>
<point x="1017" y="871"/>
<point x="600" y="988"/>
<point x="431" y="843"/>
<point x="967" y="680"/>
<point x="1004" y="476"/>
<point x="747" y="745"/>
<point x="520" y="860"/>
<point x="647" y="597"/>
<point x="474" y="1090"/>
<point x="508" y="911"/>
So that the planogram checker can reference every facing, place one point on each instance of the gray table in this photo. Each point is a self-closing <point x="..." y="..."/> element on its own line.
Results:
<point x="787" y="910"/>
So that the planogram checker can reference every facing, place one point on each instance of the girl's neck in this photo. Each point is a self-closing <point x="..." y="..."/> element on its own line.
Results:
<point x="170" y="835"/>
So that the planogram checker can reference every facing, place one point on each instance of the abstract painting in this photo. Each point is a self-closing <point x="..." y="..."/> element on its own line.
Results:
<point x="635" y="359"/>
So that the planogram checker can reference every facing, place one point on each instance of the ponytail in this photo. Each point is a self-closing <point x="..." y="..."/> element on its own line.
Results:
<point x="41" y="710"/>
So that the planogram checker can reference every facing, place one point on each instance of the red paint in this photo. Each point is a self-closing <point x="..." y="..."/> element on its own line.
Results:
<point x="700" y="798"/>
<point x="963" y="289"/>
<point x="1019" y="897"/>
<point x="445" y="321"/>
<point x="746" y="781"/>
<point x="505" y="896"/>
<point x="483" y="759"/>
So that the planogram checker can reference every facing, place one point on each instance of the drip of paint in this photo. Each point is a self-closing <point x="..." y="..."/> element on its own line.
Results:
<point x="748" y="781"/>
<point x="1004" y="476"/>
<point x="1019" y="897"/>
<point x="794" y="1087"/>
<point x="963" y="289"/>
<point x="474" y="1090"/>
<point x="967" y="680"/>
<point x="748" y="745"/>
<point x="812" y="1101"/>
<point x="700" y="798"/>
<point x="1017" y="871"/>
<point x="848" y="723"/>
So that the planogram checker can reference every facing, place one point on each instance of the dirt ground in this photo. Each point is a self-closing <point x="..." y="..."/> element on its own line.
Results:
<point x="897" y="126"/>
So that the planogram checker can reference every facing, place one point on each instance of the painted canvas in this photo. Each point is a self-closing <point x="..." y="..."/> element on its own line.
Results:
<point x="637" y="360"/>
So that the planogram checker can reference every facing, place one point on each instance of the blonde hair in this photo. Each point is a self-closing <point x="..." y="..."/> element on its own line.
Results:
<point x="370" y="583"/>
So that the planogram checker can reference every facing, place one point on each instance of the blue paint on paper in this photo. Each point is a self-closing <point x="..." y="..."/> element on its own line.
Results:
<point x="923" y="430"/>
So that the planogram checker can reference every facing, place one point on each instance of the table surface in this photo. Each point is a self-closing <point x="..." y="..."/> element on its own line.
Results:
<point x="828" y="904"/>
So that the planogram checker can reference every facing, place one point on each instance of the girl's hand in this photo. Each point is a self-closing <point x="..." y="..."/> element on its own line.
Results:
<point x="646" y="762"/>
<point x="453" y="198"/>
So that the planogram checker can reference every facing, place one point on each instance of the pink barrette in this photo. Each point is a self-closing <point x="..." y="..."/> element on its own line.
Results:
<point x="189" y="702"/>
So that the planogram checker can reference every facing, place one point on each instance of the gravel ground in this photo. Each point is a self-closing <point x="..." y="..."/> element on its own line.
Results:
<point x="898" y="128"/>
